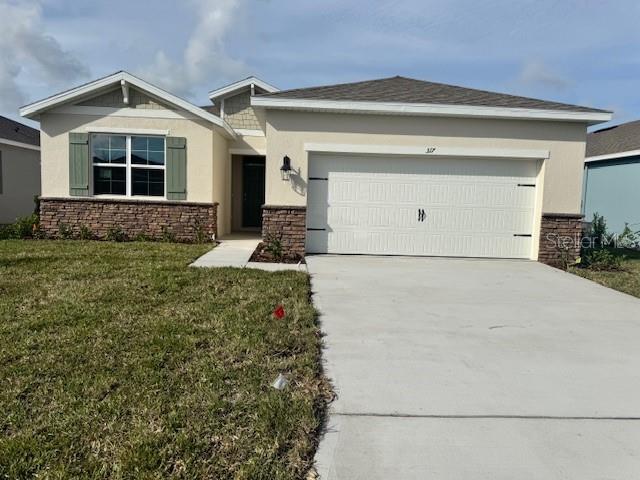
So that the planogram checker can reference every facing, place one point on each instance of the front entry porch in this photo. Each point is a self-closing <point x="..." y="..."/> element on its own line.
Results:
<point x="247" y="192"/>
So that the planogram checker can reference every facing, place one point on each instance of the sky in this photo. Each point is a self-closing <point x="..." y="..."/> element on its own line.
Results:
<point x="576" y="51"/>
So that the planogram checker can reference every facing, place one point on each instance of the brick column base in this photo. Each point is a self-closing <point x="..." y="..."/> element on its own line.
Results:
<point x="288" y="224"/>
<point x="152" y="219"/>
<point x="560" y="238"/>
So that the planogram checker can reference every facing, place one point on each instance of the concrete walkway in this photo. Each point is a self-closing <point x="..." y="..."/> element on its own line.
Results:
<point x="235" y="251"/>
<point x="476" y="369"/>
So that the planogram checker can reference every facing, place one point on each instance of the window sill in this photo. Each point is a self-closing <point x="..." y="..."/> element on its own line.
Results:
<point x="130" y="198"/>
<point x="123" y="199"/>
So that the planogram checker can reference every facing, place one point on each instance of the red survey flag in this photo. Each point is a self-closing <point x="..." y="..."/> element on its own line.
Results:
<point x="279" y="312"/>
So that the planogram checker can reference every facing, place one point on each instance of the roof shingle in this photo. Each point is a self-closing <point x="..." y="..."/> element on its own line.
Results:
<point x="17" y="132"/>
<point x="408" y="90"/>
<point x="620" y="138"/>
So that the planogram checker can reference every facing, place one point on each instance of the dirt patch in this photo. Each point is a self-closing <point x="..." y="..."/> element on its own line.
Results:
<point x="260" y="254"/>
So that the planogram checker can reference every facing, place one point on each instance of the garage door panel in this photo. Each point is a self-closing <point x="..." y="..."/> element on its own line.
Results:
<point x="317" y="209"/>
<point x="429" y="192"/>
<point x="472" y="207"/>
<point x="478" y="220"/>
<point x="500" y="221"/>
<point x="379" y="243"/>
<point x="406" y="192"/>
<point x="371" y="217"/>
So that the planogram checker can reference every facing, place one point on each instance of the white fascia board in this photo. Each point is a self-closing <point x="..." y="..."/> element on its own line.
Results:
<point x="34" y="109"/>
<point x="13" y="143"/>
<point x="247" y="151"/>
<point x="128" y="131"/>
<point x="612" y="156"/>
<point x="429" y="109"/>
<point x="239" y="85"/>
<point x="245" y="132"/>
<point x="427" y="150"/>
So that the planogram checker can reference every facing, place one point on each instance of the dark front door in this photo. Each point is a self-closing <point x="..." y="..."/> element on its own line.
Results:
<point x="252" y="191"/>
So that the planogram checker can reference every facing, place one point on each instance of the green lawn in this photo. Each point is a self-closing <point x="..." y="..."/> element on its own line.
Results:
<point x="627" y="281"/>
<point x="119" y="361"/>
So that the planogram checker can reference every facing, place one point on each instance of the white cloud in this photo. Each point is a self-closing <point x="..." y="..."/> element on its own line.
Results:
<point x="204" y="57"/>
<point x="28" y="51"/>
<point x="535" y="73"/>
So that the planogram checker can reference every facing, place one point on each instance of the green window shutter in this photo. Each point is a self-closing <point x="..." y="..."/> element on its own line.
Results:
<point x="79" y="164"/>
<point x="176" y="168"/>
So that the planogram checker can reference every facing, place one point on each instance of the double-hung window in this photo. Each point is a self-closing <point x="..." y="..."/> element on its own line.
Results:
<point x="128" y="165"/>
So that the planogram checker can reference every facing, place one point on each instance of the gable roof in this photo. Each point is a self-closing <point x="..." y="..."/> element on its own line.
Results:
<point x="100" y="85"/>
<point x="412" y="93"/>
<point x="232" y="88"/>
<point x="18" y="134"/>
<point x="211" y="108"/>
<point x="617" y="141"/>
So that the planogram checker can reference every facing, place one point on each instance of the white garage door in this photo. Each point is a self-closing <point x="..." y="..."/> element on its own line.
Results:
<point x="393" y="205"/>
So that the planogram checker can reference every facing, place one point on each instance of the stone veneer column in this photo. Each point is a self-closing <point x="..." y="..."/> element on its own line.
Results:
<point x="185" y="221"/>
<point x="288" y="223"/>
<point x="560" y="234"/>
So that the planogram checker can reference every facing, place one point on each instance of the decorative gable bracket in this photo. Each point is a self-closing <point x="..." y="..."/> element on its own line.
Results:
<point x="125" y="91"/>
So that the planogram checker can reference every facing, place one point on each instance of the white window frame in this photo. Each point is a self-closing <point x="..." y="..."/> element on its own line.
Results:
<point x="128" y="166"/>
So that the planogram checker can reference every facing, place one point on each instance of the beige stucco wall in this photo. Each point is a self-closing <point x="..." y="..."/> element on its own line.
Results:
<point x="249" y="145"/>
<point x="287" y="132"/>
<point x="221" y="182"/>
<point x="201" y="144"/>
<point x="20" y="182"/>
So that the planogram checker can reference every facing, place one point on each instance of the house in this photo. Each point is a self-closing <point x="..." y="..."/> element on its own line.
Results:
<point x="19" y="169"/>
<point x="612" y="176"/>
<point x="389" y="166"/>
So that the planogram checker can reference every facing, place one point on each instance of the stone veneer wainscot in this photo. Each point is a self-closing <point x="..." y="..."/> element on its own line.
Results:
<point x="562" y="227"/>
<point x="288" y="224"/>
<point x="185" y="221"/>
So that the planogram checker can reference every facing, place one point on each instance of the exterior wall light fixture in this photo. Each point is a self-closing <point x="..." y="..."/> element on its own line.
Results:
<point x="285" y="169"/>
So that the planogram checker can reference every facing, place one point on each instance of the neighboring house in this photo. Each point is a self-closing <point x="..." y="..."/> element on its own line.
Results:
<point x="389" y="166"/>
<point x="19" y="169"/>
<point x="612" y="176"/>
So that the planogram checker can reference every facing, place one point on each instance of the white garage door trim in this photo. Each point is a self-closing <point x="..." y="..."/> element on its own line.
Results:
<point x="429" y="150"/>
<point x="365" y="204"/>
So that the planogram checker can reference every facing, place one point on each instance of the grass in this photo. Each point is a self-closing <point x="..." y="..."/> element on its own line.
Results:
<point x="627" y="280"/>
<point x="119" y="361"/>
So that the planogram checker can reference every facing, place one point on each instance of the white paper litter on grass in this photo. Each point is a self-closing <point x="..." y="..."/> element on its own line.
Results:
<point x="280" y="382"/>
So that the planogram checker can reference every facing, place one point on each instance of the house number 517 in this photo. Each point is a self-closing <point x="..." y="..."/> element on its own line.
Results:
<point x="430" y="149"/>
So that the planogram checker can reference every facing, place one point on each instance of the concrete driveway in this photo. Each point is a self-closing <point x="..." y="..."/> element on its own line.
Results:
<point x="476" y="369"/>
